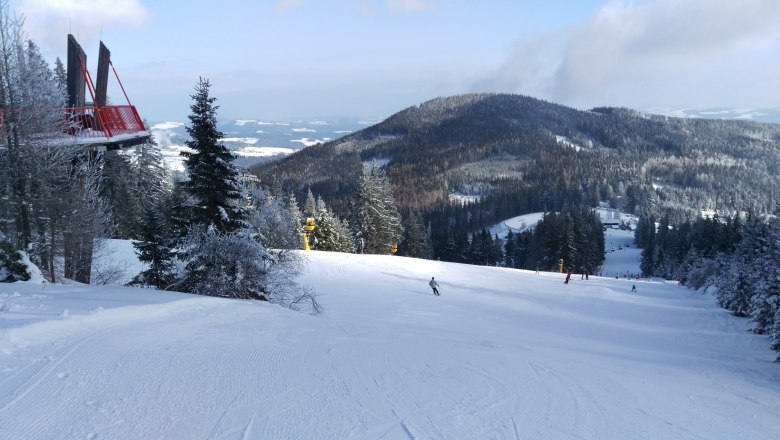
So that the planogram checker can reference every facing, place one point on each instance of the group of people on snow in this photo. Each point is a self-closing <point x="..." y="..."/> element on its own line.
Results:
<point x="585" y="276"/>
<point x="435" y="286"/>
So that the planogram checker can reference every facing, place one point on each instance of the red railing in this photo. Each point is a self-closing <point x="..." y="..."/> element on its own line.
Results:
<point x="107" y="122"/>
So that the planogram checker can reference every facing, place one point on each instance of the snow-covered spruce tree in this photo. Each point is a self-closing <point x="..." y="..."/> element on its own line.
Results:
<point x="310" y="206"/>
<point x="152" y="180"/>
<point x="330" y="234"/>
<point x="346" y="239"/>
<point x="31" y="104"/>
<point x="380" y="222"/>
<point x="86" y="219"/>
<point x="12" y="268"/>
<point x="291" y="204"/>
<point x="417" y="239"/>
<point x="176" y="207"/>
<point x="765" y="300"/>
<point x="224" y="265"/>
<point x="736" y="285"/>
<point x="117" y="188"/>
<point x="647" y="263"/>
<point x="497" y="254"/>
<point x="510" y="247"/>
<point x="60" y="74"/>
<point x="153" y="249"/>
<point x="274" y="224"/>
<point x="48" y="197"/>
<point x="213" y="178"/>
<point x="774" y="333"/>
<point x="232" y="265"/>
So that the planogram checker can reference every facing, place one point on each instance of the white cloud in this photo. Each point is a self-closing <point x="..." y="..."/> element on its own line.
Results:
<point x="396" y="6"/>
<point x="286" y="6"/>
<point x="665" y="37"/>
<point x="408" y="5"/>
<point x="49" y="21"/>
<point x="627" y="47"/>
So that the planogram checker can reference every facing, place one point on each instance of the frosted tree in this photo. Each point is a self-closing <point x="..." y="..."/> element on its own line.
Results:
<point x="765" y="300"/>
<point x="274" y="224"/>
<point x="736" y="285"/>
<point x="417" y="239"/>
<point x="774" y="333"/>
<point x="87" y="218"/>
<point x="152" y="180"/>
<point x="310" y="206"/>
<point x="48" y="191"/>
<point x="233" y="265"/>
<point x="291" y="204"/>
<point x="380" y="222"/>
<point x="224" y="264"/>
<point x="153" y="249"/>
<point x="331" y="234"/>
<point x="12" y="267"/>
<point x="325" y="237"/>
<point x="346" y="239"/>
<point x="60" y="74"/>
<point x="213" y="178"/>
<point x="31" y="105"/>
<point x="176" y="206"/>
<point x="117" y="188"/>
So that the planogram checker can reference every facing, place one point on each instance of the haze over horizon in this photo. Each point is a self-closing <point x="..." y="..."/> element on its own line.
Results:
<point x="370" y="58"/>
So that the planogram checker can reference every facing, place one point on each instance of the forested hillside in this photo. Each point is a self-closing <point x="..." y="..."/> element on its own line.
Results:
<point x="519" y="154"/>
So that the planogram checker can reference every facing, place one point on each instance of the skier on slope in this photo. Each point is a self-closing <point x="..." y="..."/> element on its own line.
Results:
<point x="434" y="286"/>
<point x="568" y="277"/>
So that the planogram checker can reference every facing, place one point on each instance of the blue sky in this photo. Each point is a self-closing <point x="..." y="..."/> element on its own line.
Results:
<point x="280" y="59"/>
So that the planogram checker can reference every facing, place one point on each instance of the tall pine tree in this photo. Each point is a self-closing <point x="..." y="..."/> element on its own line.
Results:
<point x="153" y="250"/>
<point x="380" y="222"/>
<point x="213" y="178"/>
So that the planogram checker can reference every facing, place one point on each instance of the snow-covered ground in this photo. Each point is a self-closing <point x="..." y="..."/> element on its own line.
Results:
<point x="622" y="257"/>
<point x="517" y="224"/>
<point x="115" y="262"/>
<point x="502" y="354"/>
<point x="528" y="221"/>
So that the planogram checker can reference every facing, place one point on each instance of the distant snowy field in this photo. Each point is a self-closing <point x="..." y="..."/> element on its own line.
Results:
<point x="751" y="114"/>
<point x="255" y="140"/>
<point x="525" y="222"/>
<point x="622" y="254"/>
<point x="502" y="354"/>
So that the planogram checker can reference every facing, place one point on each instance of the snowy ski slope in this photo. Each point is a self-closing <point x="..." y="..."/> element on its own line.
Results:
<point x="502" y="354"/>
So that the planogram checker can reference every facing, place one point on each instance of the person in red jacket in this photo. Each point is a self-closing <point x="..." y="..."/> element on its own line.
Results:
<point x="568" y="277"/>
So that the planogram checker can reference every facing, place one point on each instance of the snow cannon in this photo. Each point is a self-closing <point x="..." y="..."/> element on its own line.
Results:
<point x="560" y="265"/>
<point x="308" y="227"/>
<point x="393" y="249"/>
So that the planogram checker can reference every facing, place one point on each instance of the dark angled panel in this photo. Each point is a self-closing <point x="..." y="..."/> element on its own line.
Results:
<point x="101" y="86"/>
<point x="76" y="82"/>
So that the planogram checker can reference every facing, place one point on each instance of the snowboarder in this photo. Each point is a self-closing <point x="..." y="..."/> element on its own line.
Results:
<point x="633" y="287"/>
<point x="568" y="277"/>
<point x="434" y="286"/>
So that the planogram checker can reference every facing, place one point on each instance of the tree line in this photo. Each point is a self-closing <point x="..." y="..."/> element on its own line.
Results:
<point x="738" y="257"/>
<point x="50" y="208"/>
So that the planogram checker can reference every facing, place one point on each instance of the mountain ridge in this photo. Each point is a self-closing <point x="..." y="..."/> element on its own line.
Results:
<point x="455" y="143"/>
